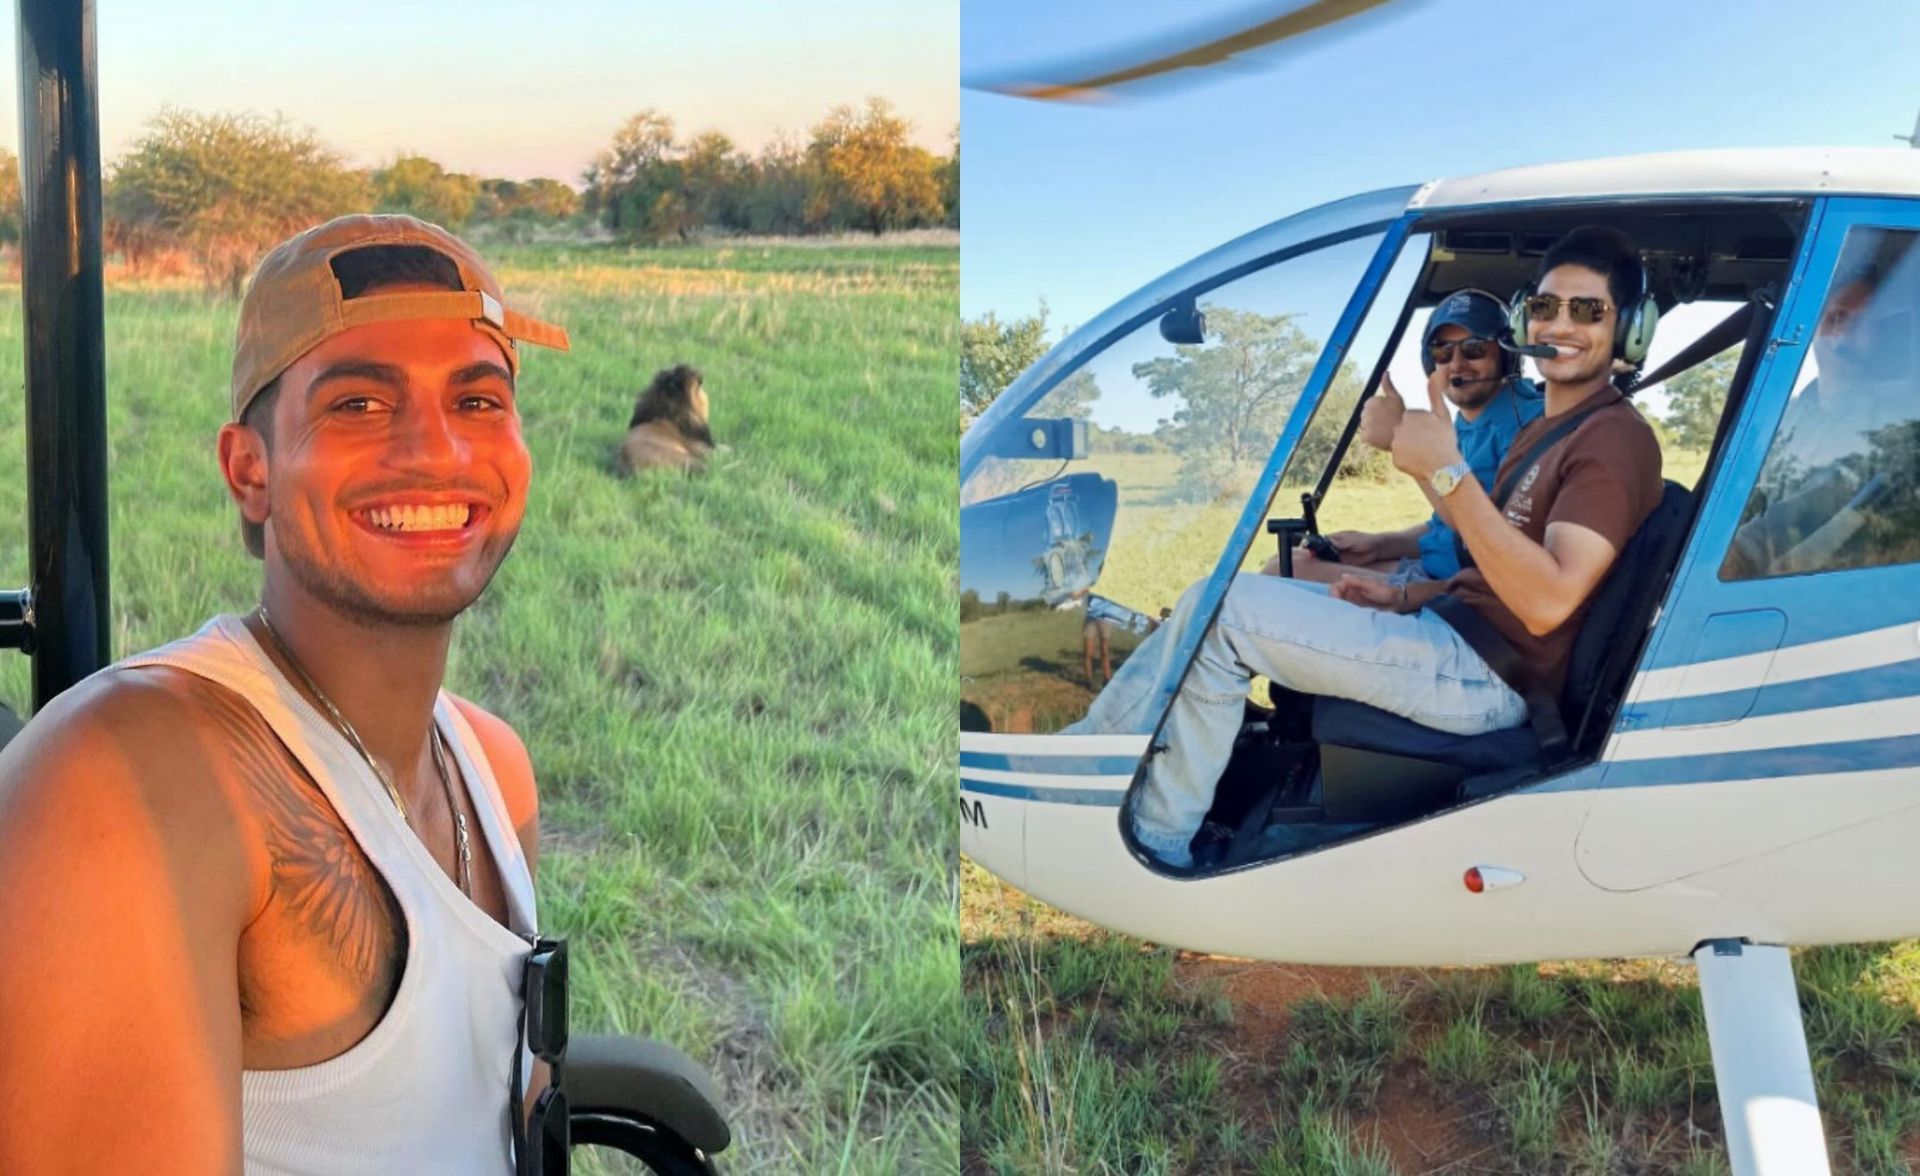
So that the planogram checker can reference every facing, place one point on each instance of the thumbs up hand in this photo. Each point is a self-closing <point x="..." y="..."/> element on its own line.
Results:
<point x="1425" y="441"/>
<point x="1381" y="415"/>
<point x="1437" y="397"/>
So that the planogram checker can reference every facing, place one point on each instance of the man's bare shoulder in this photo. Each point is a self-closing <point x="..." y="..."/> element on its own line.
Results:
<point x="133" y="717"/>
<point x="137" y="875"/>
<point x="508" y="758"/>
<point x="150" y="741"/>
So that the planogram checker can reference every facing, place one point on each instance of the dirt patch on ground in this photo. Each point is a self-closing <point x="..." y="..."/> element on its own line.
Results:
<point x="1420" y="1131"/>
<point x="1276" y="988"/>
<point x="1265" y="994"/>
<point x="1419" y="1135"/>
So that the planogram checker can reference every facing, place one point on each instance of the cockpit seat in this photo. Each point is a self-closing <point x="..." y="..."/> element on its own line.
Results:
<point x="1345" y="723"/>
<point x="1376" y="765"/>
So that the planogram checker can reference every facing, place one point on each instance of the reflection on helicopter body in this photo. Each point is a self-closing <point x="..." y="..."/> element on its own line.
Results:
<point x="1840" y="488"/>
<point x="1026" y="592"/>
<point x="1071" y="560"/>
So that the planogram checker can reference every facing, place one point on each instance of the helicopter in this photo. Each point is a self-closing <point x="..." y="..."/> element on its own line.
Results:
<point x="1731" y="770"/>
<point x="642" y="1098"/>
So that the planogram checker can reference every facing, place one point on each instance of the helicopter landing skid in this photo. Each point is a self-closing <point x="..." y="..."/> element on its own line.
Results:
<point x="1760" y="1066"/>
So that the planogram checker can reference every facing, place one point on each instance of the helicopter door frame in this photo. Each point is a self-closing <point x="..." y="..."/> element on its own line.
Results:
<point x="1711" y="662"/>
<point x="1698" y="591"/>
<point x="1260" y="500"/>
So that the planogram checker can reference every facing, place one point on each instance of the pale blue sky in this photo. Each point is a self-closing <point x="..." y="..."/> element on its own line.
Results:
<point x="517" y="88"/>
<point x="1082" y="204"/>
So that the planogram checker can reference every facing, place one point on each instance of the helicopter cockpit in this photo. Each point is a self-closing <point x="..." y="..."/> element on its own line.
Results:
<point x="1186" y="421"/>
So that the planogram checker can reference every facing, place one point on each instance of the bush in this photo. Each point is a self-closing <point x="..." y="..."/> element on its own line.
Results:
<point x="225" y="188"/>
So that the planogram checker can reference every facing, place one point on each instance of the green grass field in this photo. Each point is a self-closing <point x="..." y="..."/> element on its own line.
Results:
<point x="1091" y="1052"/>
<point x="737" y="689"/>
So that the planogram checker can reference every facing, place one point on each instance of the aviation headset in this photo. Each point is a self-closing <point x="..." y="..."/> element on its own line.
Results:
<point x="1458" y="309"/>
<point x="1632" y="326"/>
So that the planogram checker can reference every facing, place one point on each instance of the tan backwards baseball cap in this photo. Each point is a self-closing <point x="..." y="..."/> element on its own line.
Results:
<point x="294" y="302"/>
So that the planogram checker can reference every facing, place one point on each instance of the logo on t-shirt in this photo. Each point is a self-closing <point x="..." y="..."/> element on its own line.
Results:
<point x="1519" y="510"/>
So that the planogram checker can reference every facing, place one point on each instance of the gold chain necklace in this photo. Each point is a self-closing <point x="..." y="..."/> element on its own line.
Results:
<point x="463" y="849"/>
<point x="465" y="854"/>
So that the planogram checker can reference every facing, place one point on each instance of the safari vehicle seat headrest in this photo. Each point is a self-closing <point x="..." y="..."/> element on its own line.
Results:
<point x="1481" y="314"/>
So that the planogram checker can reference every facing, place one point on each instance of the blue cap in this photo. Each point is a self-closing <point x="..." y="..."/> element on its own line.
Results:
<point x="1483" y="315"/>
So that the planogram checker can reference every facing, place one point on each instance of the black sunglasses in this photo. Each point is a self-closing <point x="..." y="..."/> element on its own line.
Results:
<point x="1544" y="308"/>
<point x="542" y="1139"/>
<point x="1473" y="349"/>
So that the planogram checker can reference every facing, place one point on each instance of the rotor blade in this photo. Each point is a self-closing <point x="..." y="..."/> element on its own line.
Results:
<point x="1304" y="19"/>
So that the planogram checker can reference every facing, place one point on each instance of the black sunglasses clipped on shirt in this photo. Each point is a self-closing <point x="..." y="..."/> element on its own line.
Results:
<point x="542" y="1139"/>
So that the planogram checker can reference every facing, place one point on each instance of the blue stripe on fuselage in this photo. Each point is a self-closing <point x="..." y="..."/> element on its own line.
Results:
<point x="1879" y="684"/>
<point x="1767" y="763"/>
<point x="1105" y="797"/>
<point x="1056" y="765"/>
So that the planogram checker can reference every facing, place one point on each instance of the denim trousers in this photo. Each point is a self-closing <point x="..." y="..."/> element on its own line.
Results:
<point x="1298" y="636"/>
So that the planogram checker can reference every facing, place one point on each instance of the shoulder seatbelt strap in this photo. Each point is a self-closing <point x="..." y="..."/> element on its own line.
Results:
<point x="1515" y="472"/>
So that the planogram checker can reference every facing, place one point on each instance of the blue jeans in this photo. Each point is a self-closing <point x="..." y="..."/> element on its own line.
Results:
<point x="1300" y="637"/>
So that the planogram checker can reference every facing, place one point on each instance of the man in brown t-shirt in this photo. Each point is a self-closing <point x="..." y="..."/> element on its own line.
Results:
<point x="1537" y="564"/>
<point x="1571" y="511"/>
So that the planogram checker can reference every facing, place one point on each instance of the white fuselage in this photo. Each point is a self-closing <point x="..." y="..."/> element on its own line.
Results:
<point x="1609" y="871"/>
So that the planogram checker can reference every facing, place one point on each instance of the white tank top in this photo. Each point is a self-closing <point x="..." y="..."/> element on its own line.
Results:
<point x="426" y="1090"/>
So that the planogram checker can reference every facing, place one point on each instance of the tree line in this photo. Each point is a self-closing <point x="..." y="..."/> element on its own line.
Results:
<point x="215" y="191"/>
<point x="857" y="170"/>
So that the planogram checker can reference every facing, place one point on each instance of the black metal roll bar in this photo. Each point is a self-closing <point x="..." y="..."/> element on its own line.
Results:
<point x="61" y="620"/>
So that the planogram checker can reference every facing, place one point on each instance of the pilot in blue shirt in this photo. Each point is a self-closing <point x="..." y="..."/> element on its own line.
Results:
<point x="1484" y="441"/>
<point x="1462" y="355"/>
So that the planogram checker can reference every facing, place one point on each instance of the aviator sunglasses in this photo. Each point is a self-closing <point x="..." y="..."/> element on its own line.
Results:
<point x="542" y="1143"/>
<point x="1544" y="308"/>
<point x="1472" y="349"/>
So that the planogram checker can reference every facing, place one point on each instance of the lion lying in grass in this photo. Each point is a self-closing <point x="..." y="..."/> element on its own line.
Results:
<point x="669" y="425"/>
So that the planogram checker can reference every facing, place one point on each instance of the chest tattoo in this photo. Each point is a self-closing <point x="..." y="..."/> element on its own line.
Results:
<point x="327" y="889"/>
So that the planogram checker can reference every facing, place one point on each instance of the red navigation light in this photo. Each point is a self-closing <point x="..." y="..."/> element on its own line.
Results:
<point x="1475" y="882"/>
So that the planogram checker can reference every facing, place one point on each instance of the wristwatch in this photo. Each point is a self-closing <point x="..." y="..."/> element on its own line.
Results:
<point x="1446" y="478"/>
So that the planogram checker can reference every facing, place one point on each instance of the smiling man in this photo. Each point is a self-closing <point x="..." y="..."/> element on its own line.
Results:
<point x="270" y="886"/>
<point x="1535" y="565"/>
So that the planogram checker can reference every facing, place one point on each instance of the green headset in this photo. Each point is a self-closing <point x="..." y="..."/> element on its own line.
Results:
<point x="1632" y="329"/>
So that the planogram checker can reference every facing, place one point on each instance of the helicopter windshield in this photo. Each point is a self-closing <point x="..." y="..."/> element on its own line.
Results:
<point x="1084" y="517"/>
